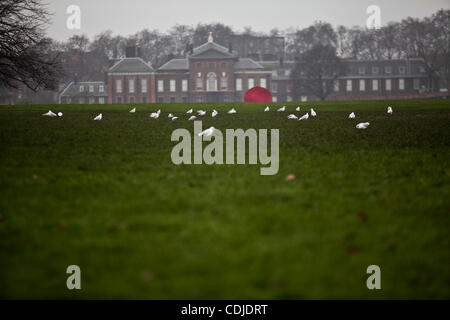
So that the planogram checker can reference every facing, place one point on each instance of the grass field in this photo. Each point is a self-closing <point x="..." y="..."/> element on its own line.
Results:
<point x="106" y="196"/>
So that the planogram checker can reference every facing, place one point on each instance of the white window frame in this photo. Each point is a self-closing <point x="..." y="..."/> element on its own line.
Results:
<point x="362" y="70"/>
<point x="101" y="100"/>
<point x="401" y="84"/>
<point x="131" y="85"/>
<point x="101" y="88"/>
<point x="349" y="85"/>
<point x="81" y="88"/>
<point x="238" y="84"/>
<point x="224" y="83"/>
<point x="388" y="85"/>
<point x="336" y="86"/>
<point x="160" y="85"/>
<point x="263" y="83"/>
<point x="199" y="84"/>
<point x="144" y="84"/>
<point x="172" y="85"/>
<point x="184" y="85"/>
<point x="416" y="84"/>
<point x="118" y="85"/>
<point x="375" y="70"/>
<point x="374" y="84"/>
<point x="251" y="83"/>
<point x="91" y="88"/>
<point x="388" y="70"/>
<point x="362" y="85"/>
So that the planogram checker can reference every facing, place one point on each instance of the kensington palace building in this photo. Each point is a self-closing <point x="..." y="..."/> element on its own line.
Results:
<point x="214" y="73"/>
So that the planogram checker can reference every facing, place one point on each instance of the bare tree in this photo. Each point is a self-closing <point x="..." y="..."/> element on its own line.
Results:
<point x="25" y="55"/>
<point x="316" y="71"/>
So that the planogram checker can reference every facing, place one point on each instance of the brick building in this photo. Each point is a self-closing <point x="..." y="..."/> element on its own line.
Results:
<point x="214" y="73"/>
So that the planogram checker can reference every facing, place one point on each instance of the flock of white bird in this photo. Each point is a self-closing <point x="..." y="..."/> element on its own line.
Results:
<point x="208" y="132"/>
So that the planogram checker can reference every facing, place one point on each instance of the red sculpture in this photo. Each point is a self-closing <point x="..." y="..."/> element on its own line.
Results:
<point x="258" y="94"/>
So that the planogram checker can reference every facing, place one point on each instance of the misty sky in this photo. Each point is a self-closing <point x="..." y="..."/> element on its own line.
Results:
<point x="126" y="17"/>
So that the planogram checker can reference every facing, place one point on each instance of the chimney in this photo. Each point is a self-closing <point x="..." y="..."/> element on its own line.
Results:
<point x="191" y="48"/>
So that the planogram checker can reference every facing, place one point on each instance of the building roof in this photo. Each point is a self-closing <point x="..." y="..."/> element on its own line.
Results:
<point x="175" y="64"/>
<point x="212" y="50"/>
<point x="73" y="89"/>
<point x="131" y="65"/>
<point x="247" y="63"/>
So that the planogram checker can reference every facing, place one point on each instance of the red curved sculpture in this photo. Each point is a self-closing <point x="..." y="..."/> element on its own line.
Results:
<point x="258" y="94"/>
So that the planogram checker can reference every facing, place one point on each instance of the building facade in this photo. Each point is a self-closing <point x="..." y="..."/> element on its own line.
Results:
<point x="214" y="73"/>
<point x="86" y="92"/>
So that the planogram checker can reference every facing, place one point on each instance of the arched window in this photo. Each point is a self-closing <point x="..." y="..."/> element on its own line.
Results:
<point x="211" y="82"/>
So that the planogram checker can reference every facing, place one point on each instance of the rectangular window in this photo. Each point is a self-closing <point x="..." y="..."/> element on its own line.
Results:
<point x="160" y="85"/>
<point x="336" y="85"/>
<point x="401" y="70"/>
<point x="91" y="100"/>
<point x="91" y="88"/>
<point x="223" y="83"/>
<point x="251" y="83"/>
<point x="362" y="85"/>
<point x="118" y="86"/>
<point x="81" y="100"/>
<point x="101" y="100"/>
<point x="131" y="85"/>
<point x="199" y="84"/>
<point x="401" y="84"/>
<point x="387" y="70"/>
<point x="144" y="85"/>
<point x="289" y="98"/>
<point x="388" y="84"/>
<point x="81" y="88"/>
<point x="184" y="85"/>
<point x="349" y="85"/>
<point x="274" y="86"/>
<point x="263" y="83"/>
<point x="375" y="85"/>
<point x="101" y="88"/>
<point x="375" y="70"/>
<point x="238" y="84"/>
<point x="362" y="70"/>
<point x="173" y="85"/>
<point x="416" y="84"/>
<point x="274" y="99"/>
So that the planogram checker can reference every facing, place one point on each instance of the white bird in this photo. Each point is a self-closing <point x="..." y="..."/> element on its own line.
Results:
<point x="154" y="115"/>
<point x="50" y="113"/>
<point x="189" y="111"/>
<point x="133" y="110"/>
<point x="214" y="113"/>
<point x="206" y="133"/>
<point x="98" y="118"/>
<point x="297" y="109"/>
<point x="174" y="118"/>
<point x="351" y="115"/>
<point x="313" y="113"/>
<point x="170" y="115"/>
<point x="192" y="118"/>
<point x="201" y="112"/>
<point x="158" y="112"/>
<point x="266" y="109"/>
<point x="389" y="110"/>
<point x="304" y="117"/>
<point x="282" y="109"/>
<point x="292" y="116"/>
<point x="60" y="114"/>
<point x="232" y="111"/>
<point x="362" y="125"/>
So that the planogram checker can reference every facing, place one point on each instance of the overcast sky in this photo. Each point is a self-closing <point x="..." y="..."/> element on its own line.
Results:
<point x="126" y="17"/>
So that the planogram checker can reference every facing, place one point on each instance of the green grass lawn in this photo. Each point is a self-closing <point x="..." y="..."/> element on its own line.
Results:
<point x="106" y="196"/>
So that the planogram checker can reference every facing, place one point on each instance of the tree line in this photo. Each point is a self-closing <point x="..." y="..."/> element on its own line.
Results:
<point x="23" y="40"/>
